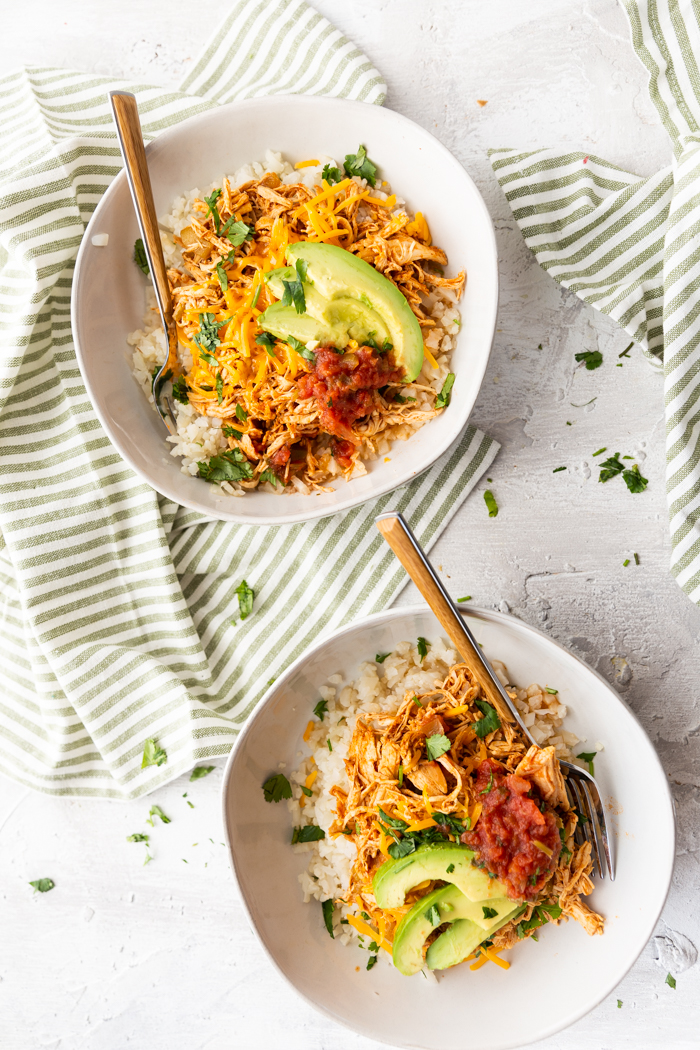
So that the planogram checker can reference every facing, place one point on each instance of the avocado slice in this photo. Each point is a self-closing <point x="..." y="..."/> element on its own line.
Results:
<point x="348" y="299"/>
<point x="461" y="938"/>
<point x="396" y="877"/>
<point x="451" y="904"/>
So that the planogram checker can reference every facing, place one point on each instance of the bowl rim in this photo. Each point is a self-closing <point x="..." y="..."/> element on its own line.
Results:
<point x="490" y="312"/>
<point x="505" y="620"/>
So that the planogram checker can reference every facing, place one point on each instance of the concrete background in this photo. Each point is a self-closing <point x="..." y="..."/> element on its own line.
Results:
<point x="160" y="956"/>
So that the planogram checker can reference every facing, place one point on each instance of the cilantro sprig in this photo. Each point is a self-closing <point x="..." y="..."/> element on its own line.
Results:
<point x="309" y="833"/>
<point x="443" y="398"/>
<point x="436" y="745"/>
<point x="180" y="389"/>
<point x="276" y="788"/>
<point x="592" y="358"/>
<point x="359" y="164"/>
<point x="246" y="595"/>
<point x="230" y="465"/>
<point x="212" y="209"/>
<point x="489" y="723"/>
<point x="331" y="175"/>
<point x="140" y="256"/>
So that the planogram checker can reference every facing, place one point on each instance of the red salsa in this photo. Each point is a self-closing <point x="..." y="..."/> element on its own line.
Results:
<point x="345" y="386"/>
<point x="516" y="837"/>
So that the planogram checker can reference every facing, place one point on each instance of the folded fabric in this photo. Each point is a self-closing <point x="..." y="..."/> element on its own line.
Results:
<point x="630" y="246"/>
<point x="115" y="604"/>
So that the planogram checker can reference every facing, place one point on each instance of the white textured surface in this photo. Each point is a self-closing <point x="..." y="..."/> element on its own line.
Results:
<point x="121" y="955"/>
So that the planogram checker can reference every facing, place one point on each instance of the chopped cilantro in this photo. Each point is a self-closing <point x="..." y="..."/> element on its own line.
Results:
<point x="223" y="277"/>
<point x="625" y="563"/>
<point x="331" y="175"/>
<point x="267" y="340"/>
<point x="626" y="351"/>
<point x="582" y="818"/>
<point x="219" y="387"/>
<point x="611" y="467"/>
<point x="601" y="450"/>
<point x="619" y="1004"/>
<point x="207" y="338"/>
<point x="237" y="232"/>
<point x="670" y="979"/>
<point x="436" y="745"/>
<point x="309" y="833"/>
<point x="422" y="648"/>
<point x="148" y="858"/>
<point x="321" y="708"/>
<point x="489" y="913"/>
<point x="301" y="349"/>
<point x="246" y="595"/>
<point x="403" y="400"/>
<point x="490" y="501"/>
<point x="138" y="836"/>
<point x="433" y="915"/>
<point x="489" y="785"/>
<point x="381" y="657"/>
<point x="587" y="757"/>
<point x="231" y="432"/>
<point x="402" y="848"/>
<point x="448" y="822"/>
<point x="359" y="164"/>
<point x="307" y="791"/>
<point x="489" y="722"/>
<point x="443" y="398"/>
<point x="330" y="746"/>
<point x="201" y="771"/>
<point x="417" y="701"/>
<point x="634" y="480"/>
<point x="327" y="907"/>
<point x="153" y="754"/>
<point x="269" y="475"/>
<point x="212" y="208"/>
<point x="156" y="811"/>
<point x="44" y="885"/>
<point x="276" y="788"/>
<point x="548" y="689"/>
<point x="636" y="558"/>
<point x="241" y="413"/>
<point x="140" y="256"/>
<point x="593" y="358"/>
<point x="557" y="469"/>
<point x="449" y="869"/>
<point x="372" y="960"/>
<point x="468" y="598"/>
<point x="180" y="390"/>
<point x="400" y="773"/>
<point x="256" y="296"/>
<point x="583" y="403"/>
<point x="294" y="296"/>
<point x="227" y="466"/>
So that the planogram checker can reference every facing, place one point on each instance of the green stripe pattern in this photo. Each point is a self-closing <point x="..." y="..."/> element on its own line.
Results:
<point x="630" y="246"/>
<point x="116" y="604"/>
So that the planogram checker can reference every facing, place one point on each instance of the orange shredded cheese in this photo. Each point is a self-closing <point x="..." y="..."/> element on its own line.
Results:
<point x="305" y="164"/>
<point x="492" y="956"/>
<point x="310" y="779"/>
<point x="307" y="732"/>
<point x="481" y="961"/>
<point x="431" y="360"/>
<point x="542" y="848"/>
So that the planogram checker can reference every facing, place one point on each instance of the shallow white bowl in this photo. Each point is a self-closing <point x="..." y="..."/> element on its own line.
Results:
<point x="551" y="983"/>
<point x="108" y="289"/>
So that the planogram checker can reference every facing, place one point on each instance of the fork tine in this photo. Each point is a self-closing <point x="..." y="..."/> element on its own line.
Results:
<point x="587" y="825"/>
<point x="600" y="823"/>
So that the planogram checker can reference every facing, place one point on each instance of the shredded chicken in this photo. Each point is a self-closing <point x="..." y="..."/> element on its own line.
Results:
<point x="220" y="293"/>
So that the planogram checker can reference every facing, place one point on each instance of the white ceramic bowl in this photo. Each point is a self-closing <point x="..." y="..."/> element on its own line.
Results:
<point x="108" y="292"/>
<point x="551" y="983"/>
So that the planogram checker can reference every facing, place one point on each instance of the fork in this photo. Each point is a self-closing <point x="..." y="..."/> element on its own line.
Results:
<point x="583" y="791"/>
<point x="126" y="118"/>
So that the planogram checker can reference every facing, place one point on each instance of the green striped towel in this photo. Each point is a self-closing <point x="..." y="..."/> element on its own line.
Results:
<point x="116" y="604"/>
<point x="630" y="246"/>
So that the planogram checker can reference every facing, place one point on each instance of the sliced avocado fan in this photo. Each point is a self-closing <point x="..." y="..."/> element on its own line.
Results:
<point x="345" y="299"/>
<point x="450" y="862"/>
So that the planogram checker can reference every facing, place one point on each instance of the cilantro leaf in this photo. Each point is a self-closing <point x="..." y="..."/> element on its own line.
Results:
<point x="634" y="480"/>
<point x="223" y="276"/>
<point x="140" y="256"/>
<point x="450" y="823"/>
<point x="309" y="833"/>
<point x="601" y="450"/>
<point x="327" y="907"/>
<point x="468" y="598"/>
<point x="619" y="1004"/>
<point x="371" y="961"/>
<point x="359" y="164"/>
<point x="489" y="722"/>
<point x="227" y="466"/>
<point x="422" y="648"/>
<point x="219" y="387"/>
<point x="180" y="390"/>
<point x="670" y="979"/>
<point x="246" y="595"/>
<point x="587" y="757"/>
<point x="611" y="467"/>
<point x="402" y="848"/>
<point x="231" y="432"/>
<point x="44" y="885"/>
<point x="381" y="657"/>
<point x="392" y="822"/>
<point x="138" y="836"/>
<point x="308" y="792"/>
<point x="266" y="340"/>
<point x="300" y="348"/>
<point x="321" y="708"/>
<point x="490" y="501"/>
<point x="153" y="754"/>
<point x="443" y="398"/>
<point x="557" y="469"/>
<point x="294" y="295"/>
<point x="489" y="913"/>
<point x="449" y="869"/>
<point x="207" y="338"/>
<point x="201" y="771"/>
<point x="276" y="788"/>
<point x="593" y="358"/>
<point x="237" y="232"/>
<point x="433" y="915"/>
<point x="331" y="175"/>
<point x="241" y="413"/>
<point x="301" y="266"/>
<point x="156" y="811"/>
<point x="436" y="745"/>
<point x="212" y="209"/>
<point x="269" y="475"/>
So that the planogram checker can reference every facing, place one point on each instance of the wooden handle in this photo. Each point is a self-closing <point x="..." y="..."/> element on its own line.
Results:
<point x="126" y="116"/>
<point x="394" y="532"/>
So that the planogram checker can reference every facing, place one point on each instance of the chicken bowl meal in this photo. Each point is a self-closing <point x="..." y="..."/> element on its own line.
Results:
<point x="434" y="831"/>
<point x="315" y="322"/>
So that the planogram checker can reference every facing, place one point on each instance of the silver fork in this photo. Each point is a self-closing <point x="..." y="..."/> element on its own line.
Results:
<point x="583" y="791"/>
<point x="126" y="118"/>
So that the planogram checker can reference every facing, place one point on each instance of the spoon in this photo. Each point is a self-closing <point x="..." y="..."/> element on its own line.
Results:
<point x="126" y="118"/>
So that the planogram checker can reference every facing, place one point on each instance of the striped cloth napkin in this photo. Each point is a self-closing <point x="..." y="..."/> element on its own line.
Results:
<point x="116" y="604"/>
<point x="630" y="246"/>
